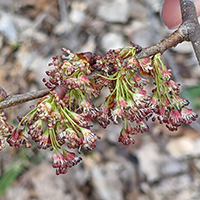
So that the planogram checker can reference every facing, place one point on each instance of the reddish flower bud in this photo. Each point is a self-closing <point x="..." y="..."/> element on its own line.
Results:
<point x="87" y="56"/>
<point x="61" y="91"/>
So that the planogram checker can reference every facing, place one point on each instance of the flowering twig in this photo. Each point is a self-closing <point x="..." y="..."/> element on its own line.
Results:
<point x="62" y="118"/>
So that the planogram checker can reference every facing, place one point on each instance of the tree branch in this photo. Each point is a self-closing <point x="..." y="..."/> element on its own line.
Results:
<point x="174" y="39"/>
<point x="190" y="25"/>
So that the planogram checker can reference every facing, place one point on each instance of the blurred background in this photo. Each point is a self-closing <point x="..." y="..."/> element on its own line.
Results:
<point x="161" y="165"/>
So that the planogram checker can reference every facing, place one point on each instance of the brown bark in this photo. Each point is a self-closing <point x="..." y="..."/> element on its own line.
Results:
<point x="191" y="25"/>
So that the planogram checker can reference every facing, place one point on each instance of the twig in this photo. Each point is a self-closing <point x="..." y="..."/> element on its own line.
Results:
<point x="13" y="100"/>
<point x="190" y="25"/>
<point x="189" y="30"/>
<point x="175" y="38"/>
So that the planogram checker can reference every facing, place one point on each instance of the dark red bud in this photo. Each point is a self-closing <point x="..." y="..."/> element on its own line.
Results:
<point x="88" y="56"/>
<point x="61" y="91"/>
<point x="138" y="47"/>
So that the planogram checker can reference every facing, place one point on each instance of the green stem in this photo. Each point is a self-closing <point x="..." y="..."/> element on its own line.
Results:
<point x="32" y="113"/>
<point x="53" y="139"/>
<point x="71" y="121"/>
<point x="111" y="77"/>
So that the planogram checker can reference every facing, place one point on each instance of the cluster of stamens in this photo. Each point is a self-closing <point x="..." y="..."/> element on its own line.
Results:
<point x="5" y="130"/>
<point x="167" y="105"/>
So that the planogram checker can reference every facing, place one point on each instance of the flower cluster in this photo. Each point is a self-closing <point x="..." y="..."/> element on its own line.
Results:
<point x="5" y="130"/>
<point x="71" y="72"/>
<point x="128" y="99"/>
<point x="51" y="125"/>
<point x="168" y="106"/>
<point x="61" y="121"/>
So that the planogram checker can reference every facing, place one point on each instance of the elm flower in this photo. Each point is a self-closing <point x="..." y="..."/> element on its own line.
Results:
<point x="63" y="161"/>
<point x="125" y="134"/>
<point x="5" y="130"/>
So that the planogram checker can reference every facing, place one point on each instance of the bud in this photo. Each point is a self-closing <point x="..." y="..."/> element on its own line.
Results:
<point x="3" y="94"/>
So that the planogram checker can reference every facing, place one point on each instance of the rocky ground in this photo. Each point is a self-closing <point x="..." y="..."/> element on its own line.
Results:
<point x="162" y="165"/>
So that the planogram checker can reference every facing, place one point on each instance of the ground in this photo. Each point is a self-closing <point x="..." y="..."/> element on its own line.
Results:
<point x="161" y="165"/>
